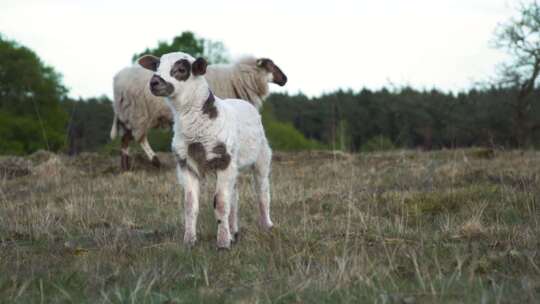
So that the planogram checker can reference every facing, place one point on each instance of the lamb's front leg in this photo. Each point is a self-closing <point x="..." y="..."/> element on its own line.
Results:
<point x="222" y="205"/>
<point x="233" y="215"/>
<point x="190" y="183"/>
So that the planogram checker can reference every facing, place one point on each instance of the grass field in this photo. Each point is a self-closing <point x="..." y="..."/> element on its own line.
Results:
<point x="459" y="226"/>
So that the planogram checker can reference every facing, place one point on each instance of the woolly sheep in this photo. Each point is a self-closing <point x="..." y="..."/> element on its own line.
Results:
<point x="137" y="110"/>
<point x="211" y="135"/>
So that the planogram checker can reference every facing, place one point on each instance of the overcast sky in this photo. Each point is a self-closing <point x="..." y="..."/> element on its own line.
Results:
<point x="321" y="45"/>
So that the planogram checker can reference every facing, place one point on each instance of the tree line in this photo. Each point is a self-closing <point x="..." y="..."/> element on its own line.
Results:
<point x="407" y="118"/>
<point x="351" y="121"/>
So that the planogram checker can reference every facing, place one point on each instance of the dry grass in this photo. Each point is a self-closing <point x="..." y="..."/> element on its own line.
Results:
<point x="400" y="227"/>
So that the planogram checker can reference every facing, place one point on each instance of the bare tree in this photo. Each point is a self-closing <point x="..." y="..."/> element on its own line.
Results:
<point x="520" y="38"/>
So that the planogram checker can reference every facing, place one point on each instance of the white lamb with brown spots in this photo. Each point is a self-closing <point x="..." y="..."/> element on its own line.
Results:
<point x="136" y="110"/>
<point x="211" y="135"/>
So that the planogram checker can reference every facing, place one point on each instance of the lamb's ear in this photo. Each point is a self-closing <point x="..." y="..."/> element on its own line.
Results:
<point x="149" y="62"/>
<point x="261" y="62"/>
<point x="198" y="67"/>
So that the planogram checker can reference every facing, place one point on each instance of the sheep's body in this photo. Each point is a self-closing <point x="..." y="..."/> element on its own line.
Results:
<point x="211" y="134"/>
<point x="242" y="80"/>
<point x="137" y="110"/>
<point x="238" y="126"/>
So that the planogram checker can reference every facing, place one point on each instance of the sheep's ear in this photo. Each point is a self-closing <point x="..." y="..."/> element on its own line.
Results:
<point x="199" y="66"/>
<point x="149" y="62"/>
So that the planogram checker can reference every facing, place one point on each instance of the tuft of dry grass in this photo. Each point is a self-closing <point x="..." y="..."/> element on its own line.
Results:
<point x="456" y="226"/>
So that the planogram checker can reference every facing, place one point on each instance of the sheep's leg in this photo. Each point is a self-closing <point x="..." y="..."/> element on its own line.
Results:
<point x="149" y="152"/>
<point x="222" y="204"/>
<point x="233" y="216"/>
<point x="124" y="154"/>
<point x="190" y="183"/>
<point x="262" y="187"/>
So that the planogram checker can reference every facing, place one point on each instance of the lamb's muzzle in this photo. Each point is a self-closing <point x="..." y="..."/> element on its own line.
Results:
<point x="160" y="87"/>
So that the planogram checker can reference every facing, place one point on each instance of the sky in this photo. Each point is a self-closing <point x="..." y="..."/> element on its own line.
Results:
<point x="322" y="46"/>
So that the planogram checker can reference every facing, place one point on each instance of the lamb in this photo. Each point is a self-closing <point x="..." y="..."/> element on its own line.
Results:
<point x="211" y="135"/>
<point x="137" y="110"/>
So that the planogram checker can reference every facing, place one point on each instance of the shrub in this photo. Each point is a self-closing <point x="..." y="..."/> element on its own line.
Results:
<point x="378" y="143"/>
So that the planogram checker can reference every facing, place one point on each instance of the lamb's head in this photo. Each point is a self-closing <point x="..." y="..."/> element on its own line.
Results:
<point x="173" y="72"/>
<point x="273" y="72"/>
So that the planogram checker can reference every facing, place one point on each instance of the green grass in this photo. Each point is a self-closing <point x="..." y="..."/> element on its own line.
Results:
<point x="393" y="227"/>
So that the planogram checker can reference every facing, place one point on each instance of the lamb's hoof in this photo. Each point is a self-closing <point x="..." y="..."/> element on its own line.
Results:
<point x="235" y="238"/>
<point x="223" y="248"/>
<point x="266" y="225"/>
<point x="190" y="240"/>
<point x="155" y="162"/>
<point x="224" y="244"/>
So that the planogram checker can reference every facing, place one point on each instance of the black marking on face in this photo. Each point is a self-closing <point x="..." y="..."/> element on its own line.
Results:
<point x="181" y="70"/>
<point x="278" y="76"/>
<point x="209" y="106"/>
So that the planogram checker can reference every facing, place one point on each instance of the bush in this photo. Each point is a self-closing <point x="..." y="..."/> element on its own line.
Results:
<point x="160" y="139"/>
<point x="283" y="136"/>
<point x="378" y="143"/>
<point x="24" y="135"/>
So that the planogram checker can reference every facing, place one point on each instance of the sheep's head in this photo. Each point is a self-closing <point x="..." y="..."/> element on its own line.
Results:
<point x="274" y="73"/>
<point x="173" y="72"/>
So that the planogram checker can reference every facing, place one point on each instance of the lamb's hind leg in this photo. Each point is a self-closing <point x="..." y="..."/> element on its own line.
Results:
<point x="262" y="187"/>
<point x="149" y="152"/>
<point x="124" y="153"/>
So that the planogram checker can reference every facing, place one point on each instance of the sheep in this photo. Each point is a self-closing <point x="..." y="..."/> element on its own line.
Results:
<point x="137" y="110"/>
<point x="211" y="135"/>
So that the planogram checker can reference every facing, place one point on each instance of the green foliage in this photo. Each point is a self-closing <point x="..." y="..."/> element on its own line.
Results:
<point x="188" y="42"/>
<point x="160" y="139"/>
<point x="30" y="95"/>
<point x="22" y="135"/>
<point x="283" y="136"/>
<point x="378" y="143"/>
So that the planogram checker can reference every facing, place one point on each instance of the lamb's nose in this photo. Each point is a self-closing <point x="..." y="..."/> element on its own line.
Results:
<point x="154" y="81"/>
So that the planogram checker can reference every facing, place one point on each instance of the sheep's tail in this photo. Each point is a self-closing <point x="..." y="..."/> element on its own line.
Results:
<point x="114" y="129"/>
